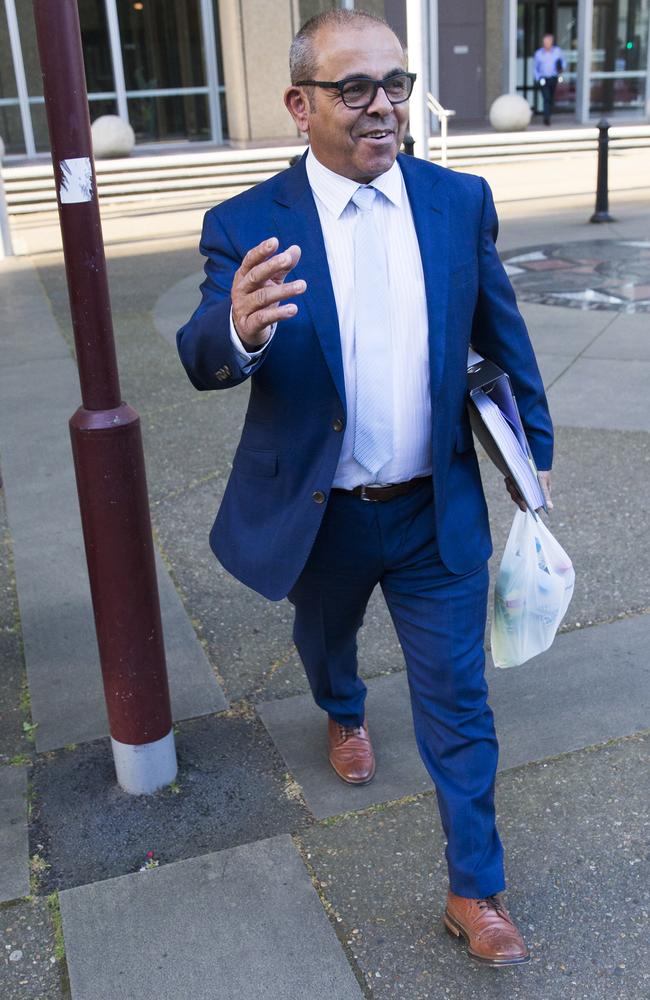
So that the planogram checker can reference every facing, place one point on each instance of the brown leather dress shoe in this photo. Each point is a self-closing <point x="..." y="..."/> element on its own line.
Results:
<point x="350" y="752"/>
<point x="487" y="927"/>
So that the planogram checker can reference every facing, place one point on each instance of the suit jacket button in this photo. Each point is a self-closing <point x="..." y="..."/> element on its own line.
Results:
<point x="337" y="425"/>
<point x="318" y="497"/>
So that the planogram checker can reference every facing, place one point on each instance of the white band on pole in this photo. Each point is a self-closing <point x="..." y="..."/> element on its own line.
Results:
<point x="6" y="246"/>
<point x="143" y="769"/>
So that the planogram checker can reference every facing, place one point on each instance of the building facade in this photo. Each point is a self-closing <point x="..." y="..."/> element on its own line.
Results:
<point x="212" y="71"/>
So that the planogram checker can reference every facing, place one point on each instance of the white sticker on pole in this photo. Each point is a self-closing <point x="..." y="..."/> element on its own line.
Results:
<point x="76" y="181"/>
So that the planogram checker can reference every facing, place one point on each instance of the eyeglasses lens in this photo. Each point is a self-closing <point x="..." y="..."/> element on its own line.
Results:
<point x="361" y="93"/>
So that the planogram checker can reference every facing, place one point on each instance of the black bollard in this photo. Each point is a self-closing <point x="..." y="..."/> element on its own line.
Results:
<point x="409" y="143"/>
<point x="602" y="194"/>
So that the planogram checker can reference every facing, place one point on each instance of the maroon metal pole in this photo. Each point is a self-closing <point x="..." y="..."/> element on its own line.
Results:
<point x="105" y="433"/>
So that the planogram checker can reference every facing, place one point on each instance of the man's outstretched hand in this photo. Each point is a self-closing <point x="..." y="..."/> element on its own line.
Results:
<point x="258" y="291"/>
<point x="544" y="482"/>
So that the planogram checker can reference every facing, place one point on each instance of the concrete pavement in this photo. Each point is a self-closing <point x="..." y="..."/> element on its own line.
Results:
<point x="274" y="880"/>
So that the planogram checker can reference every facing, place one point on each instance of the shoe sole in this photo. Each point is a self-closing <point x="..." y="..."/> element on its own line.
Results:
<point x="457" y="932"/>
<point x="351" y="781"/>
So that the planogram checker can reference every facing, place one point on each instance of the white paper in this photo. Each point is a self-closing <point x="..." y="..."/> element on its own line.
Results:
<point x="76" y="180"/>
<point x="517" y="461"/>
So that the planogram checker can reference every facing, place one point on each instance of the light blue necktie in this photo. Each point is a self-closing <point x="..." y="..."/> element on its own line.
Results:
<point x="373" y="436"/>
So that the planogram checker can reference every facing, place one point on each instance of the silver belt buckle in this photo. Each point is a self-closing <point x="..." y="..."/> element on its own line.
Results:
<point x="365" y="496"/>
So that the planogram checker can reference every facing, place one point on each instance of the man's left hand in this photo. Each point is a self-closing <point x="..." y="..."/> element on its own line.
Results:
<point x="544" y="482"/>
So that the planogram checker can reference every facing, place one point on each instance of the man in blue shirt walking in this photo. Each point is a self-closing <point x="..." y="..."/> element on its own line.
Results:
<point x="549" y="63"/>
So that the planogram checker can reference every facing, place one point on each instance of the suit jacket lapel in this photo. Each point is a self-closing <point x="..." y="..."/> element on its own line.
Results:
<point x="430" y="208"/>
<point x="296" y="218"/>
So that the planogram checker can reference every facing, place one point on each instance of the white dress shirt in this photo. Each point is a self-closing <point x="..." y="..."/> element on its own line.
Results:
<point x="407" y="317"/>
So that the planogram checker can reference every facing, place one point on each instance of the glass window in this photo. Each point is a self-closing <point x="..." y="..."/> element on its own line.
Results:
<point x="39" y="126"/>
<point x="102" y="106"/>
<point x="619" y="55"/>
<point x="96" y="47"/>
<point x="161" y="44"/>
<point x="309" y="8"/>
<point x="96" y="52"/>
<point x="11" y="127"/>
<point x="7" y="76"/>
<point x="170" y="119"/>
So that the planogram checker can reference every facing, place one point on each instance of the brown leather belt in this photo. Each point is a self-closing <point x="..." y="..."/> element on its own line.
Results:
<point x="377" y="494"/>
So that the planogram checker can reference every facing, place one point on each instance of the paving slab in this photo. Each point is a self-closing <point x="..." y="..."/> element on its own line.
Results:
<point x="14" y="848"/>
<point x="626" y="339"/>
<point x="29" y="968"/>
<point x="249" y="639"/>
<point x="557" y="330"/>
<point x="176" y="305"/>
<point x="552" y="366"/>
<point x="242" y="924"/>
<point x="592" y="686"/>
<point x="232" y="788"/>
<point x="600" y="487"/>
<point x="603" y="393"/>
<point x="56" y="615"/>
<point x="12" y="736"/>
<point x="578" y="871"/>
<point x="596" y="517"/>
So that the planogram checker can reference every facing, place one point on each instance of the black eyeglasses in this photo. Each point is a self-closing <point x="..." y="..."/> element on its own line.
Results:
<point x="360" y="91"/>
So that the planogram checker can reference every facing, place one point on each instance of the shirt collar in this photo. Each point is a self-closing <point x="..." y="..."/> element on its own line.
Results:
<point x="335" y="191"/>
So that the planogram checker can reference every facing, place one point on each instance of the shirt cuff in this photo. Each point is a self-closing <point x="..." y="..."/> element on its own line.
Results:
<point x="247" y="358"/>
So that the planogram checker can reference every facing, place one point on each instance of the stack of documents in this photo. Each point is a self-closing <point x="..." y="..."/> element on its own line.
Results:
<point x="496" y="422"/>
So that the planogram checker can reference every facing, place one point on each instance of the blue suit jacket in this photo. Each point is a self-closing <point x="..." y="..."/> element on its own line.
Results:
<point x="289" y="449"/>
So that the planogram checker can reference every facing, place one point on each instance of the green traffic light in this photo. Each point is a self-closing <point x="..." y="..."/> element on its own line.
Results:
<point x="629" y="45"/>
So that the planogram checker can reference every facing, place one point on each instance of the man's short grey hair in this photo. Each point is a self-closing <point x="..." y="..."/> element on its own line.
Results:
<point x="303" y="58"/>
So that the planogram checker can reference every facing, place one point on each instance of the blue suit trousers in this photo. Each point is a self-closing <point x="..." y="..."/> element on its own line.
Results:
<point x="440" y="622"/>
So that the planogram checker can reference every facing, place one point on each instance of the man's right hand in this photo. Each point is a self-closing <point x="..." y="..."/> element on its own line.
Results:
<point x="258" y="291"/>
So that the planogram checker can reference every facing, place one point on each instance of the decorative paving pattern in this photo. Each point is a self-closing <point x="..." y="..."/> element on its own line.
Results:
<point x="590" y="274"/>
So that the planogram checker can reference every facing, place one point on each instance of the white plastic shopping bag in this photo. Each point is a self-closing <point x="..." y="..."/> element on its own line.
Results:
<point x="532" y="592"/>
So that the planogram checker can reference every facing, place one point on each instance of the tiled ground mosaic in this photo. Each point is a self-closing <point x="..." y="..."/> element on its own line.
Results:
<point x="591" y="274"/>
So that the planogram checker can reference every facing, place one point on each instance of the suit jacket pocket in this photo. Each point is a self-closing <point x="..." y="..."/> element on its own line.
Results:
<point x="253" y="462"/>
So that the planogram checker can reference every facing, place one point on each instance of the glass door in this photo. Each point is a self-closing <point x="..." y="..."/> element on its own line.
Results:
<point x="535" y="18"/>
<point x="619" y="56"/>
<point x="164" y="69"/>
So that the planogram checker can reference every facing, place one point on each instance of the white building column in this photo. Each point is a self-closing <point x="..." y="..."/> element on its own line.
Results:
<point x="21" y="79"/>
<point x="418" y="47"/>
<point x="116" y="59"/>
<point x="647" y="78"/>
<point x="583" y="67"/>
<point x="509" y="72"/>
<point x="211" y="70"/>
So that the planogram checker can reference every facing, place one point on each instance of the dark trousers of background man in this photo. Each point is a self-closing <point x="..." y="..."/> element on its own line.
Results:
<point x="548" y="97"/>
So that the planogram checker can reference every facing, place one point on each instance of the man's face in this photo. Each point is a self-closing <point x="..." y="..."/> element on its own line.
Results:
<point x="548" y="41"/>
<point x="359" y="143"/>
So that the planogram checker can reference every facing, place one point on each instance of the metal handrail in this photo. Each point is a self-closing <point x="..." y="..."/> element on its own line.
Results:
<point x="442" y="114"/>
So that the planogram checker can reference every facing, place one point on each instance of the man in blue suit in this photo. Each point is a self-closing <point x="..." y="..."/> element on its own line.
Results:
<point x="356" y="465"/>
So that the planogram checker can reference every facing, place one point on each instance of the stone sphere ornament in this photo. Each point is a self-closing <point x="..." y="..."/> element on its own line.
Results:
<point x="111" y="137"/>
<point x="510" y="113"/>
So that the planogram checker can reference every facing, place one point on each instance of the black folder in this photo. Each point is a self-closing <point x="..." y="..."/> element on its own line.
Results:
<point x="495" y="421"/>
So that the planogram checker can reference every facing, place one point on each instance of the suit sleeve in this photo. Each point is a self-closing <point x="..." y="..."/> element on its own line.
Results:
<point x="499" y="333"/>
<point x="205" y="344"/>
